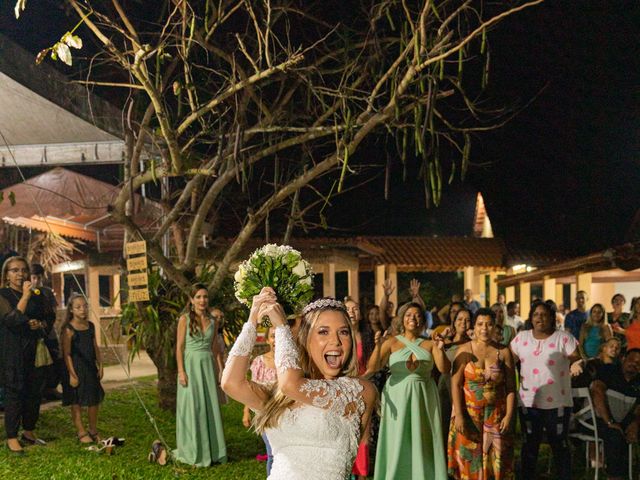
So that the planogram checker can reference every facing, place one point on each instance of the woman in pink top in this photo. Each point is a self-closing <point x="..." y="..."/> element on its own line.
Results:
<point x="545" y="401"/>
<point x="263" y="372"/>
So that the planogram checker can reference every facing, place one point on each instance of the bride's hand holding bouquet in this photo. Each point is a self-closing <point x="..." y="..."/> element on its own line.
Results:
<point x="266" y="295"/>
<point x="283" y="270"/>
<point x="274" y="312"/>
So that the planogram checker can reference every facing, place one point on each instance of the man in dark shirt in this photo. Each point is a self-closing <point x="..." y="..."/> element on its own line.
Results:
<point x="575" y="318"/>
<point x="618" y="429"/>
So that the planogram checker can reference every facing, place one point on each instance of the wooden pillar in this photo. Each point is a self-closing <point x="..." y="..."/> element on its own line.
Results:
<point x="549" y="289"/>
<point x="379" y="274"/>
<point x="583" y="282"/>
<point x="493" y="288"/>
<point x="510" y="294"/>
<point x="479" y="289"/>
<point x="392" y="274"/>
<point x="116" y="293"/>
<point x="559" y="293"/>
<point x="354" y="288"/>
<point x="469" y="275"/>
<point x="329" y="280"/>
<point x="574" y="290"/>
<point x="92" y="290"/>
<point x="525" y="299"/>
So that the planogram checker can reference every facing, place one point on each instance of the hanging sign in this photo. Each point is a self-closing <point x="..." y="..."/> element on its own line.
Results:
<point x="138" y="279"/>
<point x="137" y="266"/>
<point x="138" y="294"/>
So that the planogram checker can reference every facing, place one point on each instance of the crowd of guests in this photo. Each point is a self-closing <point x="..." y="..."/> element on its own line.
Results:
<point x="453" y="386"/>
<point x="452" y="382"/>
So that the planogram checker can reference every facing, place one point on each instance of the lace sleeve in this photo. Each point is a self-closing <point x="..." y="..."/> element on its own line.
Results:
<point x="243" y="345"/>
<point x="286" y="355"/>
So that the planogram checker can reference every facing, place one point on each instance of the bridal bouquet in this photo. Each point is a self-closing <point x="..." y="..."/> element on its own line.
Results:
<point x="281" y="268"/>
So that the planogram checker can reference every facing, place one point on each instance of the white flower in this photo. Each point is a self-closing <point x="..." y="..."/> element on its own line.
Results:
<point x="300" y="269"/>
<point x="270" y="250"/>
<point x="308" y="280"/>
<point x="238" y="276"/>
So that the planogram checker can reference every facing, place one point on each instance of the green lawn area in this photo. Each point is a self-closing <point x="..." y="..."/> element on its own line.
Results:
<point x="122" y="415"/>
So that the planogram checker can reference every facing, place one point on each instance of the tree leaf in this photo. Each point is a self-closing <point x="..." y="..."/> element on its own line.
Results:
<point x="73" y="41"/>
<point x="41" y="55"/>
<point x="20" y="6"/>
<point x="63" y="52"/>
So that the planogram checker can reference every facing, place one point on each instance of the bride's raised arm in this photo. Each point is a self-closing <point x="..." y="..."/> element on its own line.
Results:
<point x="234" y="377"/>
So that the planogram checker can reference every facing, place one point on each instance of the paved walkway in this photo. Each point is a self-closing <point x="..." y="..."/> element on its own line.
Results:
<point x="142" y="366"/>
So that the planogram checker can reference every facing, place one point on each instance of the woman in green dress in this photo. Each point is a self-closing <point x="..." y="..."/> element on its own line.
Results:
<point x="199" y="434"/>
<point x="410" y="442"/>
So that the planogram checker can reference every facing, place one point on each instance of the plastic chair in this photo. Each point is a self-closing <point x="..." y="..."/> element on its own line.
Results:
<point x="586" y="418"/>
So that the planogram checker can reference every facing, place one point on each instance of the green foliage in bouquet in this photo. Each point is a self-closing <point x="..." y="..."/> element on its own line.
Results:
<point x="281" y="268"/>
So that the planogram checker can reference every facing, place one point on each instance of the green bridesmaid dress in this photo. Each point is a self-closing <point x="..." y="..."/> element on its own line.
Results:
<point x="410" y="442"/>
<point x="199" y="433"/>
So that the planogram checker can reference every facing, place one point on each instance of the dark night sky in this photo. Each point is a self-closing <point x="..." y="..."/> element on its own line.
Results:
<point x="563" y="174"/>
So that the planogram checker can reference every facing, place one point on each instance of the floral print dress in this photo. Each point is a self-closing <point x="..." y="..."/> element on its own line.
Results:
<point x="482" y="452"/>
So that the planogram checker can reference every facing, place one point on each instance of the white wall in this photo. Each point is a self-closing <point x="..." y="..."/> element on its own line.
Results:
<point x="629" y="290"/>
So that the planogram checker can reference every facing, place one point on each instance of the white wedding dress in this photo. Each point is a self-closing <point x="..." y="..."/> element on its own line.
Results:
<point x="319" y="442"/>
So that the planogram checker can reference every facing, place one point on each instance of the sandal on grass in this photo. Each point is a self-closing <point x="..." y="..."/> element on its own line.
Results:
<point x="106" y="447"/>
<point x="83" y="436"/>
<point x="94" y="436"/>
<point x="158" y="453"/>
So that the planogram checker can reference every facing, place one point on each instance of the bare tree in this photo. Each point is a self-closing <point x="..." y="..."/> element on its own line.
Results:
<point x="245" y="105"/>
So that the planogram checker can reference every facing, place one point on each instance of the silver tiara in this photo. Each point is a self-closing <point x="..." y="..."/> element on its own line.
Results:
<point x="324" y="303"/>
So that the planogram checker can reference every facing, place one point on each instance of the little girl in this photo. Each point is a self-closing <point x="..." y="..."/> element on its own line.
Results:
<point x="81" y="387"/>
<point x="263" y="372"/>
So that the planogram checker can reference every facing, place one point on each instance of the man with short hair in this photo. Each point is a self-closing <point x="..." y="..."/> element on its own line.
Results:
<point x="470" y="302"/>
<point x="575" y="318"/>
<point x="619" y="383"/>
<point x="513" y="319"/>
<point x="55" y="371"/>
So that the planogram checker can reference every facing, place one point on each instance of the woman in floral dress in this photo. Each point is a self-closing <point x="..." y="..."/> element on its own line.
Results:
<point x="483" y="390"/>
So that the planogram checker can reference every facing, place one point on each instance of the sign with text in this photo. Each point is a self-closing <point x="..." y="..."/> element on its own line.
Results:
<point x="137" y="263"/>
<point x="139" y="295"/>
<point x="137" y="279"/>
<point x="135" y="248"/>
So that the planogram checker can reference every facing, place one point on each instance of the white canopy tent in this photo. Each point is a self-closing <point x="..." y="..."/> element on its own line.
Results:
<point x="46" y="120"/>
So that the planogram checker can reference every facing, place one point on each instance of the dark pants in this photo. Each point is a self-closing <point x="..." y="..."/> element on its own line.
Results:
<point x="616" y="448"/>
<point x="22" y="405"/>
<point x="535" y="422"/>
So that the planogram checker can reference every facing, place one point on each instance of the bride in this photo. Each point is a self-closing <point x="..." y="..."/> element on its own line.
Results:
<point x="318" y="414"/>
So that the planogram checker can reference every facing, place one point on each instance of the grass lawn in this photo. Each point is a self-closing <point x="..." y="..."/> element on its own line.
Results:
<point x="122" y="415"/>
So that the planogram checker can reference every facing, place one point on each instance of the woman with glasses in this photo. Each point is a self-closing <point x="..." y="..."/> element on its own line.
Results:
<point x="26" y="317"/>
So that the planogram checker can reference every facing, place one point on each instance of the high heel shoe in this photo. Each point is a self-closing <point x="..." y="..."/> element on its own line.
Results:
<point x="158" y="453"/>
<point x="106" y="447"/>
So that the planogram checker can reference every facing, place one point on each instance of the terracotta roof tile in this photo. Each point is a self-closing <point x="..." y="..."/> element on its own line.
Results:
<point x="441" y="254"/>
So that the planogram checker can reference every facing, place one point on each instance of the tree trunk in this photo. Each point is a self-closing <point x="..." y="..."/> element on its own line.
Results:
<point x="167" y="380"/>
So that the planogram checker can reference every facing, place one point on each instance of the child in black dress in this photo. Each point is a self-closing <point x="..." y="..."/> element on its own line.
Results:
<point x="84" y="368"/>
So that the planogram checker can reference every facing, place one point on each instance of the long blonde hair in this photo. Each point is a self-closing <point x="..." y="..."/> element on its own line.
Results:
<point x="269" y="416"/>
